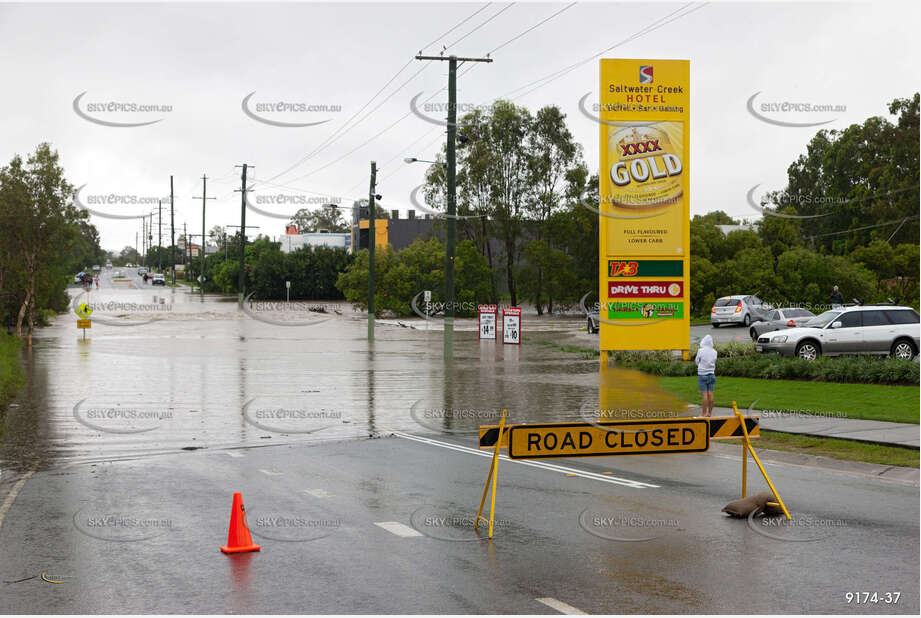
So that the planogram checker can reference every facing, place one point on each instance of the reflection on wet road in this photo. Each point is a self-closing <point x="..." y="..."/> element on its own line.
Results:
<point x="164" y="370"/>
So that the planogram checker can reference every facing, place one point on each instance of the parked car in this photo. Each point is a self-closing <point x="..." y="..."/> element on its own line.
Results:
<point x="108" y="264"/>
<point x="778" y="319"/>
<point x="142" y="271"/>
<point x="78" y="278"/>
<point x="159" y="279"/>
<point x="96" y="268"/>
<point x="738" y="309"/>
<point x="860" y="329"/>
<point x="117" y="273"/>
<point x="593" y="320"/>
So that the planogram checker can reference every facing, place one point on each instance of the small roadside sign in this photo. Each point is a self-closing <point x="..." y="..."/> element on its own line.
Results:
<point x="511" y="325"/>
<point x="83" y="311"/>
<point x="488" y="321"/>
<point x="613" y="438"/>
<point x="287" y="284"/>
<point x="427" y="296"/>
<point x="84" y="323"/>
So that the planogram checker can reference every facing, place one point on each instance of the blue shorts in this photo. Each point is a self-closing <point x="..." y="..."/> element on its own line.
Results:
<point x="706" y="382"/>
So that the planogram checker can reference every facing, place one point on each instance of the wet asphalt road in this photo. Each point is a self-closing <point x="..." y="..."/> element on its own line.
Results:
<point x="136" y="439"/>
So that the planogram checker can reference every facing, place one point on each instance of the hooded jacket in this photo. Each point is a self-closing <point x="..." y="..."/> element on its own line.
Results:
<point x="706" y="357"/>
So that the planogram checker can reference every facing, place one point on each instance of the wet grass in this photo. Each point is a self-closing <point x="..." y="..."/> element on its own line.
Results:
<point x="876" y="402"/>
<point x="835" y="448"/>
<point x="585" y="353"/>
<point x="12" y="376"/>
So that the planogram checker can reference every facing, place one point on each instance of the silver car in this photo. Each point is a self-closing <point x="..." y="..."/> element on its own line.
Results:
<point x="780" y="319"/>
<point x="739" y="310"/>
<point x="863" y="329"/>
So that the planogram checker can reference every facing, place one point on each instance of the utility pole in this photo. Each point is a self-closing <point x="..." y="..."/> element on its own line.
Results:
<point x="242" y="281"/>
<point x="159" y="236"/>
<point x="451" y="162"/>
<point x="172" y="230"/>
<point x="204" y="193"/>
<point x="185" y="249"/>
<point x="143" y="240"/>
<point x="372" y="241"/>
<point x="149" y="241"/>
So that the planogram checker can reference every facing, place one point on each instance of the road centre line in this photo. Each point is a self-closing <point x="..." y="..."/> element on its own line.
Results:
<point x="395" y="527"/>
<point x="536" y="464"/>
<point x="563" y="608"/>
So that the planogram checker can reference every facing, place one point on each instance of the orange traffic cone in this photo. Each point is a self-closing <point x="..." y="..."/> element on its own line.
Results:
<point x="238" y="538"/>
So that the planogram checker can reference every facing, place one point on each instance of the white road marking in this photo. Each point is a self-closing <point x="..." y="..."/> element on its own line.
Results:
<point x="11" y="497"/>
<point x="318" y="493"/>
<point x="232" y="454"/>
<point x="536" y="464"/>
<point x="270" y="472"/>
<point x="563" y="608"/>
<point x="395" y="527"/>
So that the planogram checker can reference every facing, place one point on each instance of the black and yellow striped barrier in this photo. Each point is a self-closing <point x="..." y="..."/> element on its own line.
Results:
<point x="721" y="428"/>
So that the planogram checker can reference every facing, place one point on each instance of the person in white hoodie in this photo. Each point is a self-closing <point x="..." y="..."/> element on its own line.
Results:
<point x="706" y="374"/>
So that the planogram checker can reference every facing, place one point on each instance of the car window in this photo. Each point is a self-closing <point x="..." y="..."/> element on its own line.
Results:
<point x="724" y="302"/>
<point x="902" y="316"/>
<point x="874" y="318"/>
<point x="775" y="315"/>
<point x="798" y="313"/>
<point x="755" y="300"/>
<point x="821" y="320"/>
<point x="850" y="320"/>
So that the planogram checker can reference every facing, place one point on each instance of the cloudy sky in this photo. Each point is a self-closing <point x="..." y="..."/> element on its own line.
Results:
<point x="201" y="60"/>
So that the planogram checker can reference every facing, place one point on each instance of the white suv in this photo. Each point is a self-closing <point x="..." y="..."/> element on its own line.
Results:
<point x="861" y="329"/>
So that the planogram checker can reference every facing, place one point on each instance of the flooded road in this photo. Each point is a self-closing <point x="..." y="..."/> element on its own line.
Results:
<point x="165" y="369"/>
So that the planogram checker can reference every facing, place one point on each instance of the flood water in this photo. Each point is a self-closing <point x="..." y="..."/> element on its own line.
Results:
<point x="175" y="370"/>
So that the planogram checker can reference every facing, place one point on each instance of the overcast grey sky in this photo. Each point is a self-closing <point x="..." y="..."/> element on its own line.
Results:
<point x="203" y="59"/>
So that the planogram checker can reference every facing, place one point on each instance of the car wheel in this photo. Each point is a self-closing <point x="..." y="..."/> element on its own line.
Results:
<point x="746" y="321"/>
<point x="808" y="350"/>
<point x="904" y="349"/>
<point x="753" y="334"/>
<point x="714" y="325"/>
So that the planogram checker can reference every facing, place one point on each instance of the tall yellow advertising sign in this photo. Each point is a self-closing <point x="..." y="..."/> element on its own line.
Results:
<point x="644" y="237"/>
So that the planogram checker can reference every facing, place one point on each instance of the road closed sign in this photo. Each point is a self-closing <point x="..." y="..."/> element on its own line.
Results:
<point x="511" y="325"/>
<point x="488" y="326"/>
<point x="656" y="437"/>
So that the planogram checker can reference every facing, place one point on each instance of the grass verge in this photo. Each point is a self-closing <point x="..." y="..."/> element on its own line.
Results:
<point x="835" y="448"/>
<point x="12" y="376"/>
<point x="875" y="402"/>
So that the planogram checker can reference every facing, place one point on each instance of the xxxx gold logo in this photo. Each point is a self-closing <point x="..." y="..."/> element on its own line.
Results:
<point x="646" y="168"/>
<point x="640" y="147"/>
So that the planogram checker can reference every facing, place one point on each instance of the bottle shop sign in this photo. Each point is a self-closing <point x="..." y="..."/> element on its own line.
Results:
<point x="511" y="325"/>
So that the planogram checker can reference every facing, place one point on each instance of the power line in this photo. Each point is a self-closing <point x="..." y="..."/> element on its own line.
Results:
<point x="346" y="127"/>
<point x="867" y="227"/>
<point x="537" y="25"/>
<point x="456" y="26"/>
<point x="495" y="15"/>
<point x="646" y="30"/>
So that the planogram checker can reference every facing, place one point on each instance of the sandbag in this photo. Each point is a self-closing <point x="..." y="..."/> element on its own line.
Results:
<point x="743" y="507"/>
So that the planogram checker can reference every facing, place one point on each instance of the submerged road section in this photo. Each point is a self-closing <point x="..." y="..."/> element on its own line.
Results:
<point x="361" y="478"/>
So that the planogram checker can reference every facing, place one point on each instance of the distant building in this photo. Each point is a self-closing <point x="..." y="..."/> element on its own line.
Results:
<point x="292" y="239"/>
<point x="748" y="227"/>
<point x="399" y="233"/>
